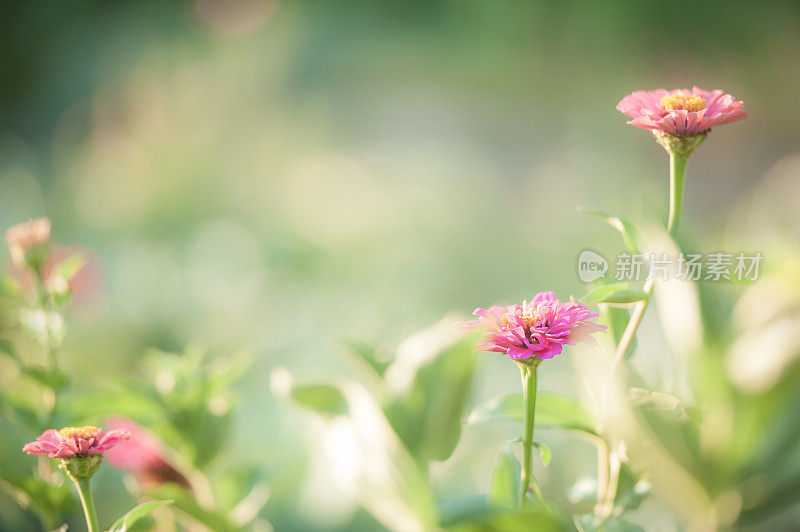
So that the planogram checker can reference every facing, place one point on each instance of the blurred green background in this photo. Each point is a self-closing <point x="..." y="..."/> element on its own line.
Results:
<point x="273" y="176"/>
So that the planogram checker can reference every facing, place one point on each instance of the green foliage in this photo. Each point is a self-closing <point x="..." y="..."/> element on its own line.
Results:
<point x="552" y="410"/>
<point x="140" y="511"/>
<point x="504" y="487"/>
<point x="616" y="293"/>
<point x="418" y="402"/>
<point x="321" y="398"/>
<point x="50" y="501"/>
<point x="631" y="235"/>
<point x="428" y="395"/>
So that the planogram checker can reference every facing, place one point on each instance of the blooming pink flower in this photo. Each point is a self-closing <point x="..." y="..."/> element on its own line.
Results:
<point x="70" y="442"/>
<point x="143" y="455"/>
<point x="537" y="328"/>
<point x="27" y="241"/>
<point x="681" y="112"/>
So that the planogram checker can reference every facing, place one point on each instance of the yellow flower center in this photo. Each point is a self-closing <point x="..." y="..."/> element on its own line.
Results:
<point x="81" y="432"/>
<point x="527" y="315"/>
<point x="677" y="102"/>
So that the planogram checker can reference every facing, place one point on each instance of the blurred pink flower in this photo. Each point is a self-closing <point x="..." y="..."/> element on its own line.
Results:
<point x="143" y="455"/>
<point x="70" y="442"/>
<point x="537" y="328"/>
<point x="27" y="242"/>
<point x="681" y="112"/>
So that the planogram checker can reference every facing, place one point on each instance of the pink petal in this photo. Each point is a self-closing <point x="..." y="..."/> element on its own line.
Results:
<point x="518" y="353"/>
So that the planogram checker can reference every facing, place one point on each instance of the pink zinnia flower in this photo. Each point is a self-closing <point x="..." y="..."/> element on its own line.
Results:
<point x="537" y="328"/>
<point x="681" y="112"/>
<point x="143" y="455"/>
<point x="71" y="442"/>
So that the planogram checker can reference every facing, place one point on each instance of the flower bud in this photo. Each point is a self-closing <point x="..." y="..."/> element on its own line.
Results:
<point x="28" y="243"/>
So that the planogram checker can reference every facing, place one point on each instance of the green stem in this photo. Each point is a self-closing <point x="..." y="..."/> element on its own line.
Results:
<point x="529" y="379"/>
<point x="85" y="493"/>
<point x="677" y="171"/>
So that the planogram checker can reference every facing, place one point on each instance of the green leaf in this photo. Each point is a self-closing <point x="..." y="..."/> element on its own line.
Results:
<point x="631" y="235"/>
<point x="51" y="378"/>
<point x="428" y="385"/>
<point x="504" y="486"/>
<point x="49" y="502"/>
<point x="186" y="503"/>
<point x="367" y="353"/>
<point x="135" y="514"/>
<point x="616" y="319"/>
<point x="9" y="286"/>
<point x="321" y="398"/>
<point x="73" y="264"/>
<point x="18" y="407"/>
<point x="7" y="348"/>
<point x="544" y="452"/>
<point x="583" y="491"/>
<point x="552" y="410"/>
<point x="630" y="491"/>
<point x="593" y="523"/>
<point x="615" y="293"/>
<point x="654" y="400"/>
<point x="505" y="520"/>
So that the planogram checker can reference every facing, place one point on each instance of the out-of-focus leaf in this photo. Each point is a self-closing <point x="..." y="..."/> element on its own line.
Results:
<point x="544" y="452"/>
<point x="630" y="491"/>
<point x="234" y="484"/>
<point x="96" y="405"/>
<point x="9" y="286"/>
<point x="50" y="503"/>
<point x="552" y="410"/>
<point x="17" y="407"/>
<point x="582" y="491"/>
<point x="428" y="384"/>
<point x="73" y="264"/>
<point x="46" y="326"/>
<point x="7" y="348"/>
<point x="593" y="523"/>
<point x="649" y="399"/>
<point x="379" y="470"/>
<point x="616" y="293"/>
<point x="504" y="486"/>
<point x="631" y="234"/>
<point x="489" y="519"/>
<point x="368" y="354"/>
<point x="616" y="319"/>
<point x="185" y="502"/>
<point x="138" y="512"/>
<point x="224" y="372"/>
<point x="52" y="378"/>
<point x="321" y="398"/>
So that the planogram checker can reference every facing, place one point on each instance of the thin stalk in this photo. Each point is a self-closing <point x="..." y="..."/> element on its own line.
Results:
<point x="677" y="172"/>
<point x="44" y="304"/>
<point x="633" y="324"/>
<point x="85" y="493"/>
<point x="529" y="379"/>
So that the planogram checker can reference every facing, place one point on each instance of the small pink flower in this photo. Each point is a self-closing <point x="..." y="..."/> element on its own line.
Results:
<point x="681" y="112"/>
<point x="143" y="455"/>
<point x="71" y="442"/>
<point x="27" y="242"/>
<point x="537" y="328"/>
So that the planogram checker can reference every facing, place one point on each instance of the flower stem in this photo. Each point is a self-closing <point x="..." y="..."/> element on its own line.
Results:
<point x="529" y="379"/>
<point x="677" y="171"/>
<point x="85" y="493"/>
